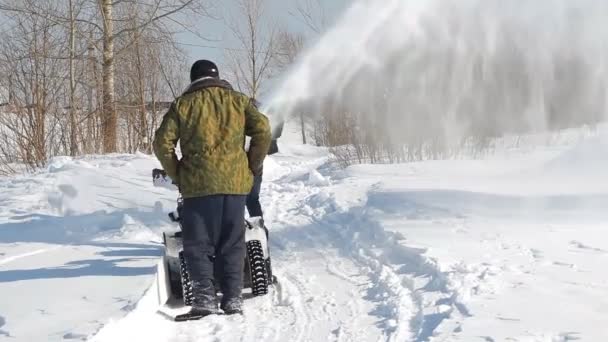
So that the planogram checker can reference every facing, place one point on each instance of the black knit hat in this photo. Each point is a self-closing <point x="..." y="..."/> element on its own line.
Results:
<point x="203" y="68"/>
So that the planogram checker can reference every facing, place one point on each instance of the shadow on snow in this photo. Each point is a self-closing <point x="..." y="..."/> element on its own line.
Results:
<point x="81" y="230"/>
<point x="79" y="268"/>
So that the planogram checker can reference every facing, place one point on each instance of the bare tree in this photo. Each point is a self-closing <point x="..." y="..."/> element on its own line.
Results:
<point x="251" y="62"/>
<point x="29" y="127"/>
<point x="312" y="14"/>
<point x="109" y="110"/>
<point x="289" y="45"/>
<point x="158" y="10"/>
<point x="73" y="123"/>
<point x="58" y="60"/>
<point x="142" y="82"/>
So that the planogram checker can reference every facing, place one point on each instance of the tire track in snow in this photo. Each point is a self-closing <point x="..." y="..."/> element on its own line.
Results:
<point x="393" y="301"/>
<point x="302" y="313"/>
<point x="348" y="330"/>
<point x="319" y="291"/>
<point x="261" y="330"/>
<point x="414" y="297"/>
<point x="295" y="292"/>
<point x="394" y="294"/>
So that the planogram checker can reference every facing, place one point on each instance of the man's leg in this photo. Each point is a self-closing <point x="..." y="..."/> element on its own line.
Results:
<point x="231" y="252"/>
<point x="253" y="198"/>
<point x="201" y="225"/>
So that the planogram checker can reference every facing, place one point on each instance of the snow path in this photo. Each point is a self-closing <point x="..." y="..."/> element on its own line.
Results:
<point x="391" y="272"/>
<point x="320" y="295"/>
<point x="342" y="277"/>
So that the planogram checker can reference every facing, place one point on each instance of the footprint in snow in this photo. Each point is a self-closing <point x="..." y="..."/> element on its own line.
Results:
<point x="582" y="246"/>
<point x="74" y="336"/>
<point x="43" y="312"/>
<point x="536" y="254"/>
<point x="564" y="264"/>
<point x="567" y="336"/>
<point x="2" y="332"/>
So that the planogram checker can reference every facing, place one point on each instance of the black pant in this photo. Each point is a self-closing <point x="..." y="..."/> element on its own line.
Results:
<point x="214" y="236"/>
<point x="253" y="198"/>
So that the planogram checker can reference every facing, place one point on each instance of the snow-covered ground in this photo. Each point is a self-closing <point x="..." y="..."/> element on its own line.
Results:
<point x="511" y="247"/>
<point x="78" y="244"/>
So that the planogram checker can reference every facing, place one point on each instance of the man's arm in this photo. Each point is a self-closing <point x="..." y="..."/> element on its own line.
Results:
<point x="165" y="140"/>
<point x="257" y="127"/>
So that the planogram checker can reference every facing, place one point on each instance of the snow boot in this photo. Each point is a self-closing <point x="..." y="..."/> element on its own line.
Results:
<point x="194" y="314"/>
<point x="232" y="306"/>
<point x="204" y="301"/>
<point x="204" y="297"/>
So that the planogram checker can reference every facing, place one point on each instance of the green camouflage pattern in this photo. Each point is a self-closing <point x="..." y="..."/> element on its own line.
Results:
<point x="211" y="124"/>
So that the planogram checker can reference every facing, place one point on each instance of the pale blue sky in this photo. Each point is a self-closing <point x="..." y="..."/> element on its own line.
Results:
<point x="277" y="10"/>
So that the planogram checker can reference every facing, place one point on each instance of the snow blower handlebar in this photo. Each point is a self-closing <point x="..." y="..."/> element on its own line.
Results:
<point x="162" y="180"/>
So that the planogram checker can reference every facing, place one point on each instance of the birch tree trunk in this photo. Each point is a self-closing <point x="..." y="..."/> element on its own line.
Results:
<point x="109" y="117"/>
<point x="73" y="121"/>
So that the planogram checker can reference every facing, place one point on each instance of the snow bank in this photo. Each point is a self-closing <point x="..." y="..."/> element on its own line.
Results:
<point x="87" y="231"/>
<point x="316" y="179"/>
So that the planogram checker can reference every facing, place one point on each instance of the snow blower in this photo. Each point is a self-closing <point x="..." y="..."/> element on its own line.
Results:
<point x="174" y="286"/>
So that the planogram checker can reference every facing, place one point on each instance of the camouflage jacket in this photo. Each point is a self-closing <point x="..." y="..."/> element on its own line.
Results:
<point x="210" y="121"/>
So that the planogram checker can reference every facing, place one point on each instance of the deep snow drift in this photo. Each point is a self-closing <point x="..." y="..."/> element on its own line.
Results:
<point x="509" y="247"/>
<point x="79" y="243"/>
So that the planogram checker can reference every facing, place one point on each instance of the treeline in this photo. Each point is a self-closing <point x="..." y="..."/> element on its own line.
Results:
<point x="85" y="76"/>
<point x="95" y="76"/>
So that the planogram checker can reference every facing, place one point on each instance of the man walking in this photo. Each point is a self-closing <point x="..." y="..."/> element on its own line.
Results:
<point x="215" y="174"/>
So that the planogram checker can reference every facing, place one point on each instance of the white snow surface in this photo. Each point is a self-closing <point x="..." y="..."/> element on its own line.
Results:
<point x="78" y="244"/>
<point x="511" y="247"/>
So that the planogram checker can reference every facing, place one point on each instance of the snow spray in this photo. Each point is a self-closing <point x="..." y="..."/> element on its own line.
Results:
<point x="445" y="70"/>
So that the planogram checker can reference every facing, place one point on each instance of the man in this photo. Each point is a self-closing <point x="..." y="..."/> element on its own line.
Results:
<point x="214" y="175"/>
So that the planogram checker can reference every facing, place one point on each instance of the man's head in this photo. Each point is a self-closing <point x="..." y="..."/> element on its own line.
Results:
<point x="203" y="68"/>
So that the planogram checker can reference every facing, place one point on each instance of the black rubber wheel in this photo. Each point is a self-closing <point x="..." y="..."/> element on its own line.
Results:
<point x="176" y="284"/>
<point x="257" y="267"/>
<point x="186" y="283"/>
